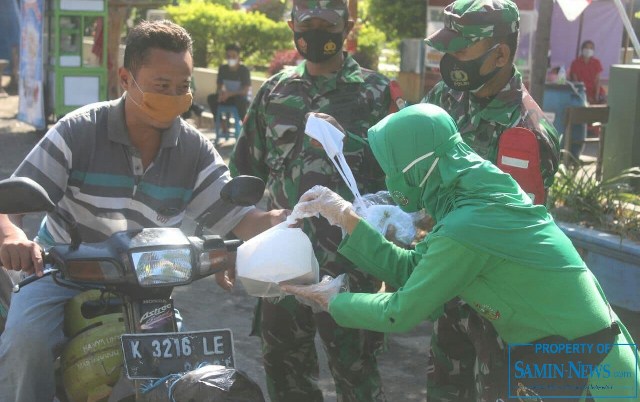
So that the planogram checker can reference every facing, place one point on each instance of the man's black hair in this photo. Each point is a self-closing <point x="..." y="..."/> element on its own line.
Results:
<point x="586" y="42"/>
<point x="147" y="35"/>
<point x="232" y="46"/>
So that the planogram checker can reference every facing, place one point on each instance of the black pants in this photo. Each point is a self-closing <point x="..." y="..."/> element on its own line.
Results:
<point x="239" y="101"/>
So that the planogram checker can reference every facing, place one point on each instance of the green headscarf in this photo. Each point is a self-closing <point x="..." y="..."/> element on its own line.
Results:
<point x="470" y="199"/>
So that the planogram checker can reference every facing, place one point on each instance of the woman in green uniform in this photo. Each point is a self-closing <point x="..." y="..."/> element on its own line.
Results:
<point x="491" y="247"/>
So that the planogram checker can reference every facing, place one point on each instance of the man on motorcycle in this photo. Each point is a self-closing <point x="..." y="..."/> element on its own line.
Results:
<point x="119" y="165"/>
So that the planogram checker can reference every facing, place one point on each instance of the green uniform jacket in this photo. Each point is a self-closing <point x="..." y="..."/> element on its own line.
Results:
<point x="499" y="289"/>
<point x="482" y="124"/>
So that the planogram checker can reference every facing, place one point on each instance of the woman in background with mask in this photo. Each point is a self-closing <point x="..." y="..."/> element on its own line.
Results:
<point x="490" y="246"/>
<point x="587" y="68"/>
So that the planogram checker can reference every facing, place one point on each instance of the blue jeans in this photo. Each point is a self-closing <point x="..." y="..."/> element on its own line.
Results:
<point x="32" y="340"/>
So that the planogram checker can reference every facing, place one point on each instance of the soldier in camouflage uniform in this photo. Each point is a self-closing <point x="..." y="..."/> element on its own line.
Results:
<point x="273" y="146"/>
<point x="483" y="91"/>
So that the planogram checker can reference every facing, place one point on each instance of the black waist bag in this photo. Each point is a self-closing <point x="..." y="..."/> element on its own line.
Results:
<point x="558" y="374"/>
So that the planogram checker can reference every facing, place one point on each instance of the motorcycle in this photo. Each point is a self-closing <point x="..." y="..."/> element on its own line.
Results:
<point x="124" y="321"/>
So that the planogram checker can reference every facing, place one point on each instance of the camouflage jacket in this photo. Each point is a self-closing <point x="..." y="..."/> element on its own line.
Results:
<point x="481" y="125"/>
<point x="273" y="145"/>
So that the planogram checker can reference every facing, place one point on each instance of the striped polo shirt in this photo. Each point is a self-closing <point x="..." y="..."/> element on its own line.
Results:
<point x="90" y="170"/>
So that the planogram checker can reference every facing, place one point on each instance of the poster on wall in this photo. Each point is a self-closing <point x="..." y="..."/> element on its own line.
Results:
<point x="30" y="84"/>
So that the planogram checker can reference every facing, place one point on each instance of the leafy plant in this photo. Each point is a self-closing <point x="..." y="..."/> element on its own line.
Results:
<point x="370" y="41"/>
<point x="609" y="205"/>
<point x="399" y="18"/>
<point x="283" y="58"/>
<point x="212" y="26"/>
<point x="226" y="3"/>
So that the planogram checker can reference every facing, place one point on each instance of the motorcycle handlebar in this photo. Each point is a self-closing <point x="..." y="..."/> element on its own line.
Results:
<point x="213" y="243"/>
<point x="232" y="245"/>
<point x="32" y="278"/>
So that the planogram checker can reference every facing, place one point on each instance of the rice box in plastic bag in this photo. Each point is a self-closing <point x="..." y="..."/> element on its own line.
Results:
<point x="279" y="254"/>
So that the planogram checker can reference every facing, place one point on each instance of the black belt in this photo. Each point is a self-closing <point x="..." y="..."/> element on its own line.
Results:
<point x="605" y="335"/>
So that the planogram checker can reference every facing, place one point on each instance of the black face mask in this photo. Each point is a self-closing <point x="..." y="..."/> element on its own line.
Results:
<point x="318" y="45"/>
<point x="465" y="75"/>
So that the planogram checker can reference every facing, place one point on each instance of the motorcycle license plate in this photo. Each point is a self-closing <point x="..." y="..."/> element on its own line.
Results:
<point x="157" y="355"/>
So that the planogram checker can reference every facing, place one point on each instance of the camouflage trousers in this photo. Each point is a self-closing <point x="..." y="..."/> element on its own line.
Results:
<point x="288" y="330"/>
<point x="467" y="358"/>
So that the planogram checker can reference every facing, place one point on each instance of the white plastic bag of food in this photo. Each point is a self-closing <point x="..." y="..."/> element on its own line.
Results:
<point x="380" y="211"/>
<point x="280" y="254"/>
<point x="382" y="216"/>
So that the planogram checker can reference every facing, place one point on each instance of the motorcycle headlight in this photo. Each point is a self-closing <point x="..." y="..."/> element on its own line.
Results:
<point x="162" y="267"/>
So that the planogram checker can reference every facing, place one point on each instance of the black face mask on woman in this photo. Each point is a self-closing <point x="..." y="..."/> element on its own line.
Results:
<point x="318" y="45"/>
<point x="465" y="75"/>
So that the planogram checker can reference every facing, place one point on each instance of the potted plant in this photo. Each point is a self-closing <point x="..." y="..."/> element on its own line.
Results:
<point x="602" y="219"/>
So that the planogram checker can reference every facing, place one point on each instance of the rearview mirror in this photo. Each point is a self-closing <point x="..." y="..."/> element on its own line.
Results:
<point x="22" y="195"/>
<point x="243" y="191"/>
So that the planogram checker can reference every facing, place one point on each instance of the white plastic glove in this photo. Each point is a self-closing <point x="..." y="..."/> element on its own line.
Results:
<point x="318" y="296"/>
<point x="321" y="200"/>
